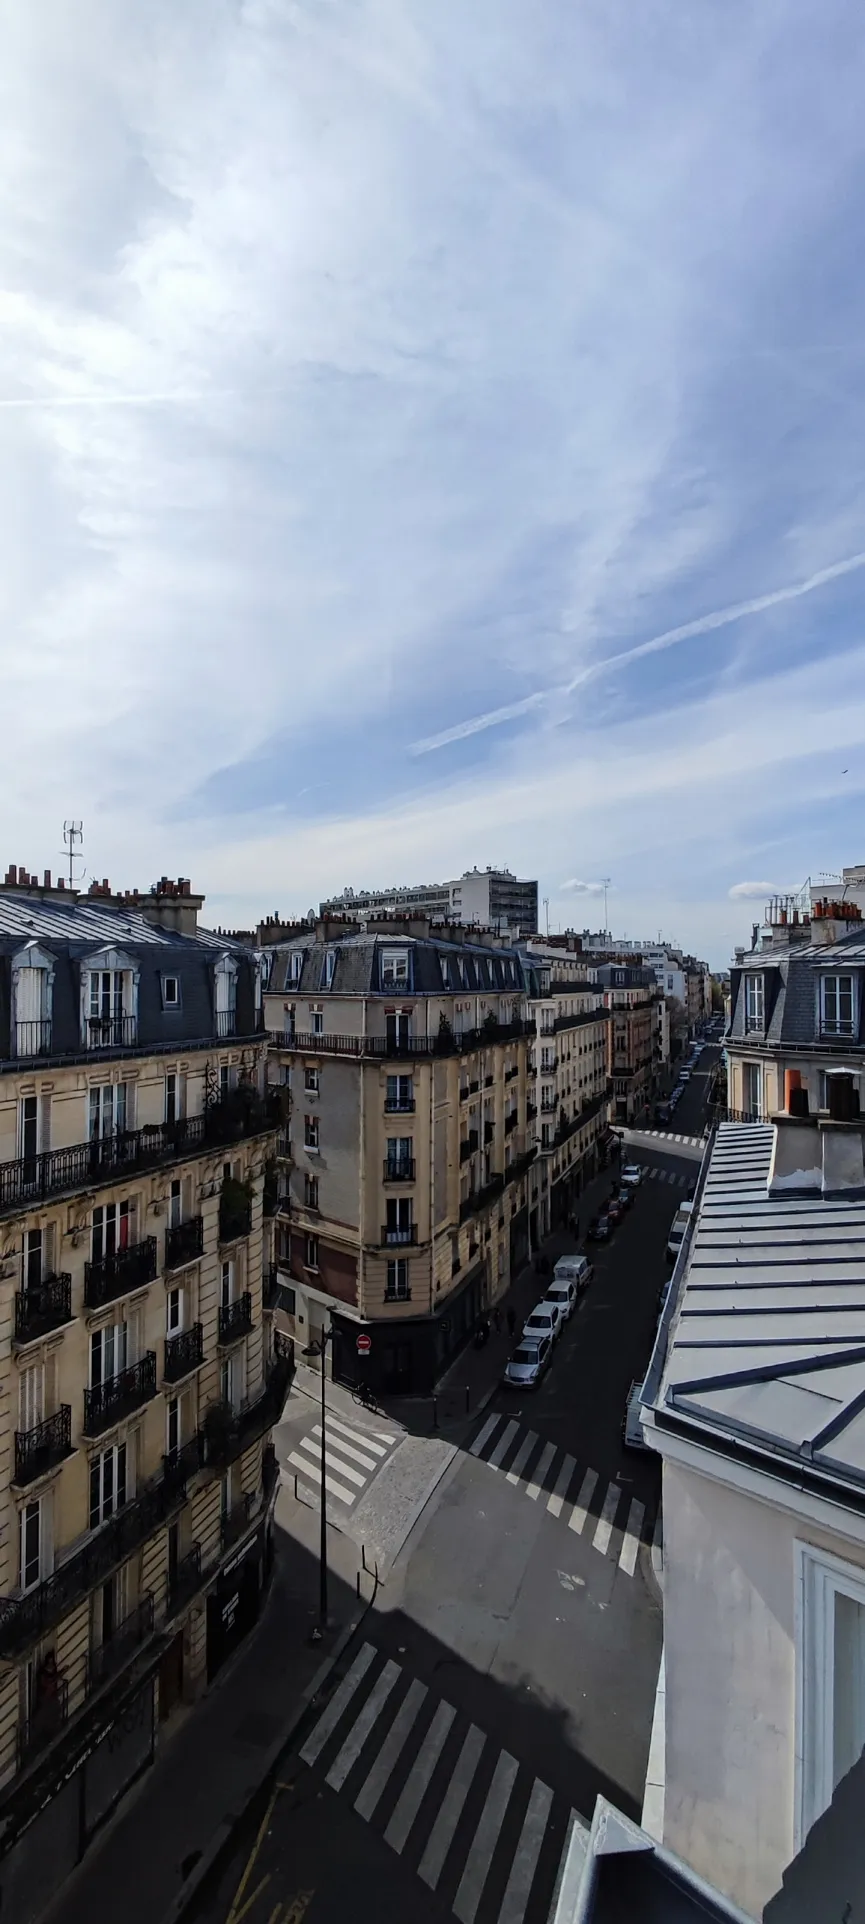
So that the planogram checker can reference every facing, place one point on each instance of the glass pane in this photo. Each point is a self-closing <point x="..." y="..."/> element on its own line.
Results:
<point x="849" y="1685"/>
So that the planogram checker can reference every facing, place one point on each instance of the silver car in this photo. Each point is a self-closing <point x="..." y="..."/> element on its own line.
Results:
<point x="528" y="1363"/>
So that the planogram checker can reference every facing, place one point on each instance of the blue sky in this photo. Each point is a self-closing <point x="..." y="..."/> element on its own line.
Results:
<point x="433" y="435"/>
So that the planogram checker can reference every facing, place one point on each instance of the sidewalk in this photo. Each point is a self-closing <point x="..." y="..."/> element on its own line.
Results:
<point x="171" y="1827"/>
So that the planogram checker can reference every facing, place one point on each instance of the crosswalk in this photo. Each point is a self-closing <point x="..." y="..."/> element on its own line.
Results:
<point x="603" y="1513"/>
<point x="654" y="1174"/>
<point x="667" y="1135"/>
<point x="497" y="1844"/>
<point x="352" y="1457"/>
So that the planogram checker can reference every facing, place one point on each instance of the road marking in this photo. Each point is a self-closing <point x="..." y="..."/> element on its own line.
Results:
<point x="346" y="1449"/>
<point x="336" y="1423"/>
<point x="581" y="1508"/>
<point x="554" y="1502"/>
<point x="341" y="1698"/>
<point x="533" y="1489"/>
<point x="486" y="1837"/>
<point x="370" y="1792"/>
<point x="631" y="1539"/>
<point x="484" y="1435"/>
<point x="417" y="1782"/>
<point x="526" y="1856"/>
<point x="441" y="1836"/>
<point x="345" y="1469"/>
<point x="311" y="1471"/>
<point x="604" y="1530"/>
<point x="238" y="1908"/>
<point x="522" y="1456"/>
<point x="503" y="1444"/>
<point x="362" y="1725"/>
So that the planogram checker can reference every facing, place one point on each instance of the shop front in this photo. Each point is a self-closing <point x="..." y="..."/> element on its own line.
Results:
<point x="235" y="1601"/>
<point x="407" y="1357"/>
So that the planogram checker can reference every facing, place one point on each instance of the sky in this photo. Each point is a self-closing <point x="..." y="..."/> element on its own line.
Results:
<point x="435" y="435"/>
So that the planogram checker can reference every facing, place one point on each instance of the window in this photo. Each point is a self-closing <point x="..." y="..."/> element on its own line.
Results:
<point x="295" y="967"/>
<point x="310" y="1191"/>
<point x="31" y="1396"/>
<point x="311" y="1081"/>
<point x="110" y="1230"/>
<point x="289" y="1018"/>
<point x="398" y="1028"/>
<point x="310" y="1132"/>
<point x="175" y="1204"/>
<point x="111" y="1351"/>
<point x="170" y="992"/>
<point x="836" y="1005"/>
<point x="399" y="1228"/>
<point x="318" y="1022"/>
<point x="752" y="1090"/>
<point x="173" y="1424"/>
<point x="175" y="1093"/>
<point x="397" y="1280"/>
<point x="286" y="1299"/>
<point x="107" y="1110"/>
<point x="399" y="1150"/>
<point x="394" y="969"/>
<point x="106" y="994"/>
<point x="400" y="1093"/>
<point x="311" y="1254"/>
<point x="28" y="1126"/>
<point x="830" y="1678"/>
<point x="32" y="1544"/>
<point x="227" y="1285"/>
<point x="329" y="966"/>
<point x="231" y="1379"/>
<point x="174" y="1312"/>
<point x="754" y="1002"/>
<point x="36" y="1259"/>
<point x="107" y="1484"/>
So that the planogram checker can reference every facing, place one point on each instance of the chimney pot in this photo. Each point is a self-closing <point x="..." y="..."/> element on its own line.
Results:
<point x="46" y="880"/>
<point x="842" y="1103"/>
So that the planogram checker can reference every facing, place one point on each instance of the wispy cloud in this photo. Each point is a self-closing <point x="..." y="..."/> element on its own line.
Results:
<point x="752" y="891"/>
<point x="581" y="888"/>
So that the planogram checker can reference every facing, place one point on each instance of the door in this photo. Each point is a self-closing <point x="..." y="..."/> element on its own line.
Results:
<point x="396" y="1368"/>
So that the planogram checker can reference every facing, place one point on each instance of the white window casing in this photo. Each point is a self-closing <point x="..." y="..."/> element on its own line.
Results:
<point x="830" y="1679"/>
<point x="32" y="1000"/>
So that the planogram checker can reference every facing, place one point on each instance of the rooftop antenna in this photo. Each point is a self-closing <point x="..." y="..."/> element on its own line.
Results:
<point x="606" y="883"/>
<point x="73" y="836"/>
<point x="547" y="912"/>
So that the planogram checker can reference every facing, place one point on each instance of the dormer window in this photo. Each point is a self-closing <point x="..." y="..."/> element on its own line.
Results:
<point x="32" y="989"/>
<point x="225" y="995"/>
<point x="754" y="1002"/>
<point x="295" y="967"/>
<point x="394" y="969"/>
<point x="837" y="1006"/>
<point x="329" y="966"/>
<point x="109" y="993"/>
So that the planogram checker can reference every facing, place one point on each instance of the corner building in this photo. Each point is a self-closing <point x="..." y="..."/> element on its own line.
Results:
<point x="139" y="1370"/>
<point x="411" y="1192"/>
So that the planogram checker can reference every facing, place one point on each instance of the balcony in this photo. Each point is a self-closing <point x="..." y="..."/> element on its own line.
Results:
<point x="183" y="1354"/>
<point x="444" y="1043"/>
<point x="112" y="1031"/>
<point x="184" y="1243"/>
<point x="42" y="1448"/>
<point x="468" y="1145"/>
<point x="510" y="1073"/>
<point x="120" y="1395"/>
<point x="128" y="1637"/>
<point x="489" y="1132"/>
<point x="42" y="1307"/>
<point x="241" y="1114"/>
<point x="464" y="1092"/>
<point x="531" y="1111"/>
<point x="235" y="1319"/>
<point x="548" y="1105"/>
<point x="549" y="1065"/>
<point x="511" y="1122"/>
<point x="235" y="1210"/>
<point x="392" y="1234"/>
<point x="184" y="1580"/>
<point x="488" y="1082"/>
<point x="400" y="1170"/>
<point x="46" y="1719"/>
<point x="474" y="1087"/>
<point x="33" y="1038"/>
<point x="227" y="1431"/>
<point x="235" y="1521"/>
<point x="113" y="1276"/>
<point x="399" y="1105"/>
<point x="226" y="1023"/>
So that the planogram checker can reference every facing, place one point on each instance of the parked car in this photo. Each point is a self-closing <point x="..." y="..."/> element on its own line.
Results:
<point x="576" y="1269"/>
<point x="601" y="1229"/>
<point x="545" y="1320"/>
<point x="615" y="1209"/>
<point x="684" y="1075"/>
<point x="631" y="1174"/>
<point x="662" y="1112"/>
<point x="563" y="1293"/>
<point x="625" y="1196"/>
<point x="528" y="1363"/>
<point x="632" y="1428"/>
<point x="677" y="1230"/>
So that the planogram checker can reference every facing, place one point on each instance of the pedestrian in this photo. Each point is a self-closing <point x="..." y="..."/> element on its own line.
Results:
<point x="512" y="1321"/>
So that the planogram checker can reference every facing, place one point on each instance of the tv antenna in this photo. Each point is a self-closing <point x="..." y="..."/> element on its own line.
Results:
<point x="547" y="911"/>
<point x="605" y="880"/>
<point x="73" y="837"/>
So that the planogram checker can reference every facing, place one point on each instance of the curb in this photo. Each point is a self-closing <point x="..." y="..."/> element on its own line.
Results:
<point x="201" y="1870"/>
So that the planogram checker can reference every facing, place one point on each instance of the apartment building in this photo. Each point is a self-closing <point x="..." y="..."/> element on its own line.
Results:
<point x="630" y="994"/>
<point x="481" y="898"/>
<point x="140" y="1371"/>
<point x="568" y="1065"/>
<point x="796" y="1010"/>
<point x="754" y="1400"/>
<point x="410" y="1187"/>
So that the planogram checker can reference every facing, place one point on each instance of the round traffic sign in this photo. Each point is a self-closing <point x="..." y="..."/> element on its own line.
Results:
<point x="364" y="1345"/>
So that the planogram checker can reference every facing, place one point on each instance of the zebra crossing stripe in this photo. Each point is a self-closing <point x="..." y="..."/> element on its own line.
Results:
<point x="526" y="1856"/>
<point x="375" y="1449"/>
<point x="554" y="1502"/>
<point x="631" y="1539"/>
<point x="503" y="1444"/>
<point x="441" y="1836"/>
<point x="581" y="1508"/>
<point x="484" y="1435"/>
<point x="605" y="1522"/>
<point x="483" y="1844"/>
<point x="341" y="1698"/>
<point x="345" y="1469"/>
<point x="522" y="1456"/>
<point x="416" y="1784"/>
<point x="362" y="1725"/>
<point x="533" y="1489"/>
<point x="346" y="1449"/>
<point x="332" y="1488"/>
<point x="371" y="1790"/>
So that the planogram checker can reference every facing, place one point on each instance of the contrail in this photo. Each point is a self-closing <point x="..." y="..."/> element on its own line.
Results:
<point x="703" y="625"/>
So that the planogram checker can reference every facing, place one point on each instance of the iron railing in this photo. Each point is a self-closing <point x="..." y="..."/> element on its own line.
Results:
<point x="107" y="1658"/>
<point x="112" y="1031"/>
<point x="489" y="1131"/>
<point x="235" y="1319"/>
<point x="399" y="1105"/>
<point x="444" y="1043"/>
<point x="184" y="1580"/>
<point x="399" y="1169"/>
<point x="511" y="1122"/>
<point x="33" y="1038"/>
<point x="184" y="1242"/>
<point x="42" y="1307"/>
<point x="226" y="1022"/>
<point x="39" y="1449"/>
<point x="120" y="1395"/>
<point x="183" y="1353"/>
<point x="227" y="1432"/>
<point x="468" y="1145"/>
<point x="125" y="1269"/>
<point x="391" y="1233"/>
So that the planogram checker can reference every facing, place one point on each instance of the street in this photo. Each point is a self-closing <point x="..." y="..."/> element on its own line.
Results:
<point x="506" y="1673"/>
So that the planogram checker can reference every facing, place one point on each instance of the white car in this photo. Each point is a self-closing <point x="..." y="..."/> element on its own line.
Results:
<point x="563" y="1294"/>
<point x="545" y="1320"/>
<point x="632" y="1175"/>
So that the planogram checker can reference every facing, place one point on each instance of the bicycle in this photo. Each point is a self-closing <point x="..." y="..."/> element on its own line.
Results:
<point x="365" y="1398"/>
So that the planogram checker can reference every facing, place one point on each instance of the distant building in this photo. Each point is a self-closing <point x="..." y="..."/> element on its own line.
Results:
<point x="485" y="898"/>
<point x="630" y="993"/>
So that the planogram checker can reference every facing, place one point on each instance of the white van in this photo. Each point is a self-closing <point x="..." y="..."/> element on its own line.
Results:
<point x="677" y="1230"/>
<point x="574" y="1269"/>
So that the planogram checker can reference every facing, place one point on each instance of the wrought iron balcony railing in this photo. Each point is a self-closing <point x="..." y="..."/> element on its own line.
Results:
<point x="446" y="1042"/>
<point x="42" y="1307"/>
<point x="107" y="1658"/>
<point x="183" y="1353"/>
<point x="227" y="1432"/>
<point x="184" y="1242"/>
<point x="112" y="1031"/>
<point x="468" y="1145"/>
<point x="399" y="1105"/>
<point x="33" y="1038"/>
<point x="120" y="1395"/>
<point x="399" y="1169"/>
<point x="393" y="1233"/>
<point x="41" y="1448"/>
<point x="125" y="1269"/>
<point x="226" y="1022"/>
<point x="235" y="1319"/>
<point x="489" y="1131"/>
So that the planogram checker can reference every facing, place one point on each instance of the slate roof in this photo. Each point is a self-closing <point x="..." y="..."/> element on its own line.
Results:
<point x="357" y="967"/>
<point x="766" y="1339"/>
<point x="791" y="1005"/>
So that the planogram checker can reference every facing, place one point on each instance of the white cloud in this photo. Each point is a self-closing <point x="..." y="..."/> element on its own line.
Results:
<point x="752" y="891"/>
<point x="581" y="888"/>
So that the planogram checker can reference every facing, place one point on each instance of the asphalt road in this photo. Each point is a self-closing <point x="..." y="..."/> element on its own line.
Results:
<point x="508" y="1669"/>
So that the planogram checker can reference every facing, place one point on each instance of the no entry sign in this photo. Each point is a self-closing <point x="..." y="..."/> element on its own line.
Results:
<point x="364" y="1345"/>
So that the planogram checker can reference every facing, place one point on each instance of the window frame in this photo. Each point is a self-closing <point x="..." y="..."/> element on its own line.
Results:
<point x="820" y="1578"/>
<point x="398" y="1294"/>
<point x="312" y="1134"/>
<point x="834" y="1028"/>
<point x="755" y="1023"/>
<point x="175" y="1001"/>
<point x="310" y="1254"/>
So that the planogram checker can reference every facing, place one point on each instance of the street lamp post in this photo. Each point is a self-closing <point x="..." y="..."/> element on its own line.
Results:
<point x="320" y="1349"/>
